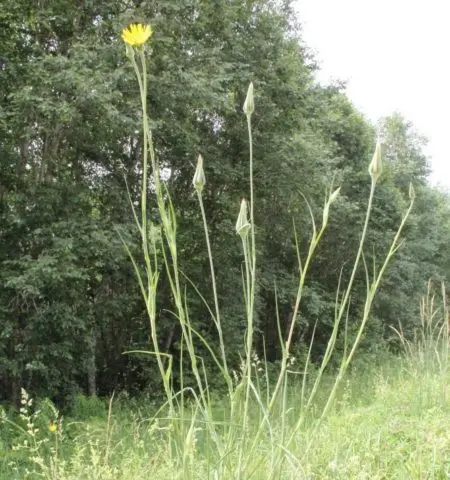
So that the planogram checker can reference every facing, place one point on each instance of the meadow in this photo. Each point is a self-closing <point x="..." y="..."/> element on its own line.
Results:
<point x="345" y="414"/>
<point x="389" y="421"/>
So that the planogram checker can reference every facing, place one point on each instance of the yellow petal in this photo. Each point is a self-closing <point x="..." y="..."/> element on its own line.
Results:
<point x="136" y="34"/>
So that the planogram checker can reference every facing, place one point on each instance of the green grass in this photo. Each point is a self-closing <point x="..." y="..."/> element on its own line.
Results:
<point x="388" y="422"/>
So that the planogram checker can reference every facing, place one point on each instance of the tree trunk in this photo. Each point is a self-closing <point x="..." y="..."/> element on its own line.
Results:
<point x="92" y="367"/>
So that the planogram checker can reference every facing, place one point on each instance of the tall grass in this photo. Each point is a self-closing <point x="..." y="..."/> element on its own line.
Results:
<point x="390" y="421"/>
<point x="431" y="342"/>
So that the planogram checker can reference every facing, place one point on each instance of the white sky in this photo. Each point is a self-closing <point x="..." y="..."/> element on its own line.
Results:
<point x="395" y="56"/>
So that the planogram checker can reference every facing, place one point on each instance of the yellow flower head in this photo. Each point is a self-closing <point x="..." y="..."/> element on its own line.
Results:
<point x="52" y="427"/>
<point x="136" y="34"/>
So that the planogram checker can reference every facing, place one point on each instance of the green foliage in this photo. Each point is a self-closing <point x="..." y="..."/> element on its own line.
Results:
<point x="84" y="408"/>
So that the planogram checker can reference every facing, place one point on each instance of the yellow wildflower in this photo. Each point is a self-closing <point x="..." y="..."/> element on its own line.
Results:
<point x="136" y="34"/>
<point x="52" y="427"/>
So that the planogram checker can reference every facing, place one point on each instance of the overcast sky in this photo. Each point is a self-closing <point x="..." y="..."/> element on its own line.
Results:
<point x="395" y="56"/>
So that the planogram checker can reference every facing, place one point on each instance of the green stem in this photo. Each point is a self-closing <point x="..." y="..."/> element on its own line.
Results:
<point x="251" y="293"/>
<point x="150" y="297"/>
<point x="367" y="308"/>
<point x="250" y="265"/>
<point x="169" y="228"/>
<point x="343" y="306"/>
<point x="216" y="300"/>
<point x="287" y="345"/>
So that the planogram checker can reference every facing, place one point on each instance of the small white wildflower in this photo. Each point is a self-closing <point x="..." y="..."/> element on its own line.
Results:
<point x="333" y="465"/>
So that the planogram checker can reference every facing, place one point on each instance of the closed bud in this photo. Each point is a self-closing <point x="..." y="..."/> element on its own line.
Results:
<point x="326" y="208"/>
<point x="375" y="166"/>
<point x="249" y="104"/>
<point x="334" y="195"/>
<point x="242" y="224"/>
<point x="199" y="179"/>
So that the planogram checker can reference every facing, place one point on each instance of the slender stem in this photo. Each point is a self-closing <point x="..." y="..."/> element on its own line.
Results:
<point x="331" y="343"/>
<point x="367" y="307"/>
<point x="216" y="300"/>
<point x="251" y="293"/>
<point x="250" y="265"/>
<point x="286" y="347"/>
<point x="360" y="250"/>
<point x="252" y="223"/>
<point x="169" y="228"/>
<point x="144" y="227"/>
<point x="150" y="297"/>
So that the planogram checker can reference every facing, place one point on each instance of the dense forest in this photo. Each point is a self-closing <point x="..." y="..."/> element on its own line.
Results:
<point x="70" y="153"/>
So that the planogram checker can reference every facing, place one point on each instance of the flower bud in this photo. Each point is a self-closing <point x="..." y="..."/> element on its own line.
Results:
<point x="242" y="224"/>
<point x="249" y="104"/>
<point x="375" y="166"/>
<point x="326" y="208"/>
<point x="334" y="195"/>
<point x="199" y="179"/>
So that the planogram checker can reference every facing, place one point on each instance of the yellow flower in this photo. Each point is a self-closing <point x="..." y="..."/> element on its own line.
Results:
<point x="136" y="34"/>
<point x="52" y="427"/>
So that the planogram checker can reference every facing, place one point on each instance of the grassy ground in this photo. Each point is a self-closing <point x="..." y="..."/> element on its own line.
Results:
<point x="389" y="421"/>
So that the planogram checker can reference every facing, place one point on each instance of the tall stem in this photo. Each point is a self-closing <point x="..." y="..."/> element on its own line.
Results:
<point x="216" y="299"/>
<point x="250" y="270"/>
<point x="150" y="293"/>
<point x="251" y="293"/>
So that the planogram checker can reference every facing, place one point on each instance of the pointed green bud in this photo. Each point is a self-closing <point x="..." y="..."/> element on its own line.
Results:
<point x="334" y="195"/>
<point x="326" y="208"/>
<point x="199" y="179"/>
<point x="412" y="192"/>
<point x="242" y="224"/>
<point x="375" y="166"/>
<point x="249" y="104"/>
